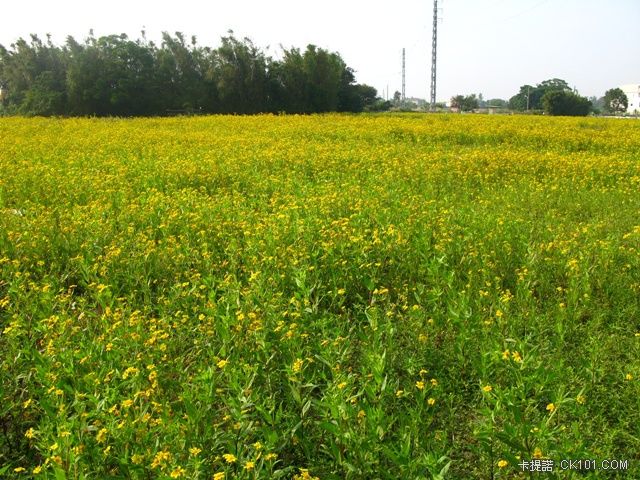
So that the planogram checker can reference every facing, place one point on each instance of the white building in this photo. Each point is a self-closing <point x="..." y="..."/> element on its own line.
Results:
<point x="633" y="94"/>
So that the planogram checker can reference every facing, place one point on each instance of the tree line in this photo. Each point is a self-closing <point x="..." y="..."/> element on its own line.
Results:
<point x="116" y="76"/>
<point x="553" y="97"/>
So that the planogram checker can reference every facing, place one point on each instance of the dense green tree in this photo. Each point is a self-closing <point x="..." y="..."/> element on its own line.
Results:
<point x="457" y="102"/>
<point x="241" y="76"/>
<point x="530" y="97"/>
<point x="180" y="72"/>
<point x="354" y="97"/>
<point x="111" y="75"/>
<point x="288" y="83"/>
<point x="33" y="76"/>
<point x="324" y="75"/>
<point x="560" y="102"/>
<point x="615" y="101"/>
<point x="465" y="103"/>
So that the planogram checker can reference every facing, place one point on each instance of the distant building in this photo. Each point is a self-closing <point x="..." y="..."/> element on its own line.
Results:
<point x="632" y="92"/>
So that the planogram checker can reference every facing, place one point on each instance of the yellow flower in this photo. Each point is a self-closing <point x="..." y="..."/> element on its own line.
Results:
<point x="516" y="357"/>
<point x="218" y="476"/>
<point x="160" y="459"/>
<point x="297" y="365"/>
<point x="537" y="453"/>
<point x="628" y="376"/>
<point x="505" y="355"/>
<point x="222" y="363"/>
<point x="434" y="382"/>
<point x="229" y="457"/>
<point x="178" y="472"/>
<point x="399" y="393"/>
<point x="487" y="388"/>
<point x="257" y="446"/>
<point x="137" y="459"/>
<point x="581" y="399"/>
<point x="102" y="435"/>
<point x="502" y="463"/>
<point x="19" y="469"/>
<point x="37" y="470"/>
<point x="194" y="451"/>
<point x="431" y="401"/>
<point x="420" y="385"/>
<point x="270" y="456"/>
<point x="249" y="466"/>
<point x="551" y="407"/>
<point x="30" y="433"/>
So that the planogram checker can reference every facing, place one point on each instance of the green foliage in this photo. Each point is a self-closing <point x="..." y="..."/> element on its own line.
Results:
<point x="530" y="97"/>
<point x="558" y="102"/>
<point x="615" y="101"/>
<point x="33" y="77"/>
<point x="113" y="75"/>
<point x="465" y="103"/>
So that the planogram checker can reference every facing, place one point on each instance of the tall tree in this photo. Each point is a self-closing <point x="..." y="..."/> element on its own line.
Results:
<point x="615" y="101"/>
<point x="241" y="76"/>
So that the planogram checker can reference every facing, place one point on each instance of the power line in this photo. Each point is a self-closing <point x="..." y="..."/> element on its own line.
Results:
<point x="539" y="4"/>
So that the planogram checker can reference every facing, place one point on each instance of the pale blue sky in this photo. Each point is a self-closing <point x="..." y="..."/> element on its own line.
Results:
<point x="485" y="46"/>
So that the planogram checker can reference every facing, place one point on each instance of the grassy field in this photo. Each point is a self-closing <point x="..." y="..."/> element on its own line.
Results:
<point x="361" y="297"/>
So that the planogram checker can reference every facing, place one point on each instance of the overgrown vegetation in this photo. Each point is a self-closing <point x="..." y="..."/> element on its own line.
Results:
<point x="318" y="297"/>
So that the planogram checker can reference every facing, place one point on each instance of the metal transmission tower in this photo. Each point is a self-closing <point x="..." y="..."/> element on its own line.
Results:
<point x="434" y="54"/>
<point x="403" y="77"/>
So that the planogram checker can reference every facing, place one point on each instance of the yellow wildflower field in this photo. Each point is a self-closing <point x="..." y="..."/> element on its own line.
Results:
<point x="331" y="296"/>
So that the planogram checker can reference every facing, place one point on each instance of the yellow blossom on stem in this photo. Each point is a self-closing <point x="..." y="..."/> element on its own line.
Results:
<point x="229" y="457"/>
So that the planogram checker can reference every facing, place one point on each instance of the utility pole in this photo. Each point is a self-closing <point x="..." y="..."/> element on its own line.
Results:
<point x="403" y="77"/>
<point x="434" y="54"/>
